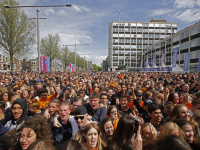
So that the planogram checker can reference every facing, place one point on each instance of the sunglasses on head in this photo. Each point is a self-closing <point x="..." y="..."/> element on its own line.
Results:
<point x="80" y="117"/>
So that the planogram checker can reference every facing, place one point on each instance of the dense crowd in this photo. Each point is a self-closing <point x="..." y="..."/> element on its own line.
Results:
<point x="99" y="111"/>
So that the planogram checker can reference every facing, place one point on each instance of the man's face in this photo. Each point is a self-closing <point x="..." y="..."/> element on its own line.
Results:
<point x="26" y="79"/>
<point x="156" y="115"/>
<point x="197" y="107"/>
<point x="44" y="96"/>
<point x="6" y="81"/>
<point x="139" y="99"/>
<point x="17" y="111"/>
<point x="160" y="86"/>
<point x="123" y="88"/>
<point x="185" y="88"/>
<point x="64" y="112"/>
<point x="53" y="108"/>
<point x="76" y="104"/>
<point x="17" y="92"/>
<point x="94" y="103"/>
<point x="110" y="93"/>
<point x="81" y="120"/>
<point x="123" y="101"/>
<point x="104" y="99"/>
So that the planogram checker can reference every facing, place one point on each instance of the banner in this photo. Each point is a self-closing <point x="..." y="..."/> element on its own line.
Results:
<point x="147" y="62"/>
<point x="141" y="64"/>
<point x="162" y="60"/>
<point x="71" y="66"/>
<point x="198" y="69"/>
<point x="186" y="61"/>
<point x="44" y="64"/>
<point x="153" y="63"/>
<point x="174" y="59"/>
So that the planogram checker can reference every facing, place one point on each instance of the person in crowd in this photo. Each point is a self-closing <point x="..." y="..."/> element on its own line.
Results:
<point x="34" y="108"/>
<point x="148" y="132"/>
<point x="123" y="91"/>
<point x="96" y="113"/>
<point x="41" y="144"/>
<point x="123" y="107"/>
<point x="72" y="145"/>
<point x="170" y="128"/>
<point x="173" y="98"/>
<point x="188" y="131"/>
<point x="107" y="129"/>
<point x="19" y="111"/>
<point x="104" y="100"/>
<point x="113" y="113"/>
<point x="92" y="137"/>
<point x="77" y="101"/>
<point x="24" y="94"/>
<point x="195" y="106"/>
<point x="185" y="88"/>
<point x="32" y="129"/>
<point x="156" y="115"/>
<point x="45" y="99"/>
<point x="64" y="132"/>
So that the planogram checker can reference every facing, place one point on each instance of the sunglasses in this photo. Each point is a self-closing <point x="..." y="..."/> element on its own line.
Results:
<point x="81" y="117"/>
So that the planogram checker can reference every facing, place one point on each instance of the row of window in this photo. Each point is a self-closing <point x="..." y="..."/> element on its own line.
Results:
<point x="139" y="35"/>
<point x="126" y="57"/>
<point x="145" y="25"/>
<point x="143" y="30"/>
<point x="134" y="41"/>
<point x="128" y="52"/>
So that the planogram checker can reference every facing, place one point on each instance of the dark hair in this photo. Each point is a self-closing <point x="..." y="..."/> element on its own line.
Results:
<point x="196" y="102"/>
<point x="63" y="94"/>
<point x="15" y="89"/>
<point x="171" y="97"/>
<point x="71" y="145"/>
<point x="41" y="145"/>
<point x="181" y="122"/>
<point x="76" y="99"/>
<point x="153" y="107"/>
<point x="43" y="90"/>
<point x="170" y="142"/>
<point x="94" y="95"/>
<point x="124" y="130"/>
<point x="2" y="106"/>
<point x="103" y="94"/>
<point x="107" y="119"/>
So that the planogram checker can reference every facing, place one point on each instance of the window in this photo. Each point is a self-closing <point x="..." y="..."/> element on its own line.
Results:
<point x="14" y="66"/>
<point x="33" y="63"/>
<point x="139" y="35"/>
<point x="151" y="25"/>
<point x="174" y="25"/>
<point x="185" y="45"/>
<point x="162" y="31"/>
<point x="151" y="30"/>
<point x="162" y="25"/>
<point x="133" y="24"/>
<point x="115" y="24"/>
<point x="133" y="35"/>
<point x="115" y="29"/>
<point x="115" y="35"/>
<point x="139" y="24"/>
<point x="133" y="30"/>
<point x="145" y="24"/>
<point x="139" y="30"/>
<point x="168" y="25"/>
<point x="176" y="48"/>
<point x="157" y="25"/>
<point x="195" y="30"/>
<point x="184" y="34"/>
<point x="115" y="40"/>
<point x="145" y="35"/>
<point x="195" y="42"/>
<point x="176" y="38"/>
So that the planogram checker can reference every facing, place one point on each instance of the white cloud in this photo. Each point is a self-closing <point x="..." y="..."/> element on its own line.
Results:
<point x="186" y="3"/>
<point x="158" y="12"/>
<point x="190" y="15"/>
<point x="81" y="8"/>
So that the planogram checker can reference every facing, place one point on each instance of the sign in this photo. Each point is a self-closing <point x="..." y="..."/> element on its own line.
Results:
<point x="198" y="69"/>
<point x="147" y="62"/>
<point x="71" y="66"/>
<point x="162" y="60"/>
<point x="174" y="59"/>
<point x="186" y="61"/>
<point x="141" y="64"/>
<point x="153" y="64"/>
<point x="44" y="64"/>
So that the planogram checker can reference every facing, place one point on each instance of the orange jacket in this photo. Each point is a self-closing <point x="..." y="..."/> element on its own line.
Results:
<point x="44" y="103"/>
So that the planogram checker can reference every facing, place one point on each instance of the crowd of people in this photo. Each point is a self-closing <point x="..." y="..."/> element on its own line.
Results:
<point x="99" y="111"/>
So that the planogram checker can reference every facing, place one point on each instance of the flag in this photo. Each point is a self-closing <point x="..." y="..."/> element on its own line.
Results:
<point x="162" y="60"/>
<point x="141" y="64"/>
<point x="153" y="64"/>
<point x="186" y="61"/>
<point x="119" y="13"/>
<point x="198" y="69"/>
<point x="174" y="59"/>
<point x="147" y="63"/>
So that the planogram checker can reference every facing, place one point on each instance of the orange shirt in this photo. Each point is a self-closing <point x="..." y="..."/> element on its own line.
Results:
<point x="130" y="104"/>
<point x="189" y="105"/>
<point x="44" y="103"/>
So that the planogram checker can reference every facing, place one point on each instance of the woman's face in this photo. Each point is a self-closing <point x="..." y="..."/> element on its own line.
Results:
<point x="25" y="94"/>
<point x="113" y="113"/>
<point x="181" y="99"/>
<point x="109" y="129"/>
<point x="184" y="113"/>
<point x="189" y="133"/>
<point x="166" y="91"/>
<point x="176" y="98"/>
<point x="5" y="97"/>
<point x="27" y="137"/>
<point x="146" y="132"/>
<point x="92" y="137"/>
<point x="117" y="101"/>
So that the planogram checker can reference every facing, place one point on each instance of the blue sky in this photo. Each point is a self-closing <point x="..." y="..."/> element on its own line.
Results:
<point x="88" y="19"/>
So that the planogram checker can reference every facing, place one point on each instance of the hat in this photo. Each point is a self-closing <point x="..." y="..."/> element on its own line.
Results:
<point x="138" y="94"/>
<point x="172" y="82"/>
<point x="80" y="110"/>
<point x="148" y="102"/>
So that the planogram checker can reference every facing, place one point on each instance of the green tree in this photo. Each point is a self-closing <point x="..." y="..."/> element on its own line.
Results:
<point x="50" y="47"/>
<point x="17" y="31"/>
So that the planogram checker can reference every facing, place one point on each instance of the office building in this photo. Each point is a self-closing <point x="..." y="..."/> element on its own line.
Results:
<point x="186" y="40"/>
<point x="127" y="40"/>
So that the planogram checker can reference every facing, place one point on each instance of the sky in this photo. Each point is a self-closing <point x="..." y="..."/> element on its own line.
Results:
<point x="88" y="20"/>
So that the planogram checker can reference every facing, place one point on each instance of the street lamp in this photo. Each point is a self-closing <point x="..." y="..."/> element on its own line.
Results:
<point x="75" y="50"/>
<point x="38" y="28"/>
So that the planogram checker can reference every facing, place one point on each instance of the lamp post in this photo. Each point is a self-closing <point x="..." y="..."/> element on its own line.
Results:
<point x="127" y="63"/>
<point x="75" y="49"/>
<point x="38" y="28"/>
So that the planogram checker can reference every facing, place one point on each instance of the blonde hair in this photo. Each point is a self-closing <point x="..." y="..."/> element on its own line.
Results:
<point x="168" y="128"/>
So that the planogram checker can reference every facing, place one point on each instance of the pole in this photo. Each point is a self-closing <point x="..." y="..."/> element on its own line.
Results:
<point x="38" y="38"/>
<point x="75" y="53"/>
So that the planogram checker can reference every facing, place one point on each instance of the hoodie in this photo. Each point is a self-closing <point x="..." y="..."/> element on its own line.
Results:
<point x="11" y="124"/>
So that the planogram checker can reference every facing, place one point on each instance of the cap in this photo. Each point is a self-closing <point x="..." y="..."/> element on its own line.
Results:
<point x="172" y="82"/>
<point x="148" y="102"/>
<point x="80" y="110"/>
